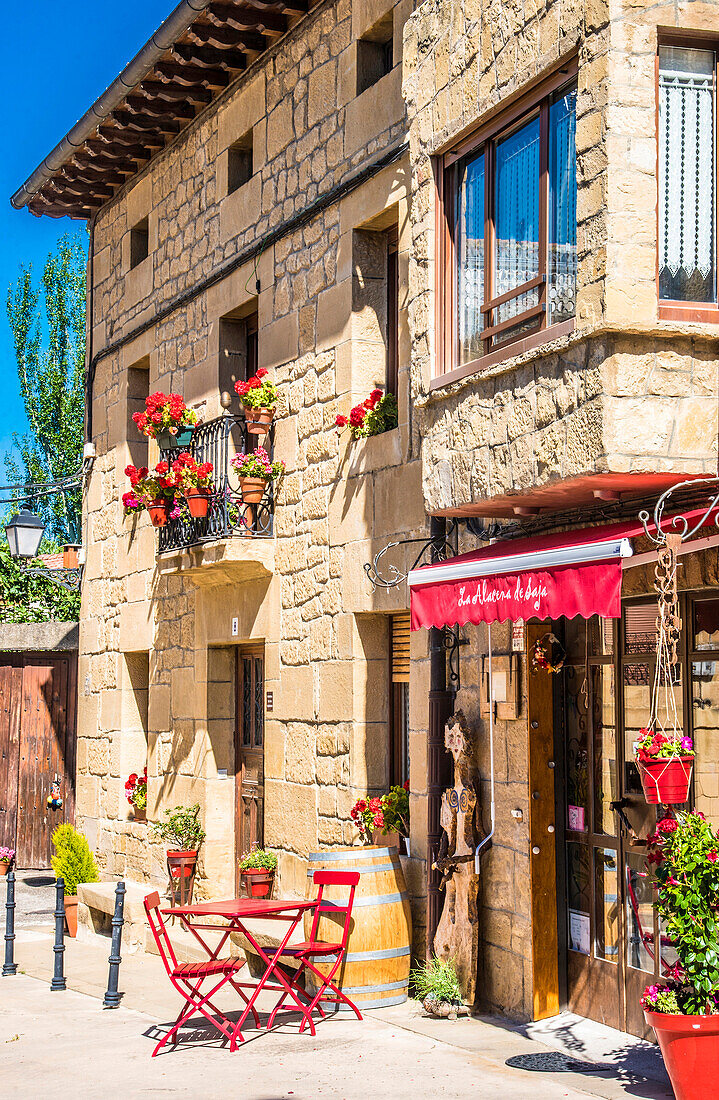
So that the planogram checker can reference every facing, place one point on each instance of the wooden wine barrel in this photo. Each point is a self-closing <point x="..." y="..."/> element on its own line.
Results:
<point x="375" y="972"/>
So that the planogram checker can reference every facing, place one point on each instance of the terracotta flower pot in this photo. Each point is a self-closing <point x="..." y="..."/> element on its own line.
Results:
<point x="258" y="882"/>
<point x="252" y="489"/>
<point x="177" y="864"/>
<point x="690" y="1049"/>
<point x="198" y="502"/>
<point x="666" y="781"/>
<point x="4" y="868"/>
<point x="71" y="916"/>
<point x="139" y="813"/>
<point x="258" y="421"/>
<point x="182" y="866"/>
<point x="158" y="511"/>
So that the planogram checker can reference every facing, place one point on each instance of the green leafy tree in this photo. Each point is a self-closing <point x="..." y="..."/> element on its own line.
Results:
<point x="25" y="599"/>
<point x="48" y="326"/>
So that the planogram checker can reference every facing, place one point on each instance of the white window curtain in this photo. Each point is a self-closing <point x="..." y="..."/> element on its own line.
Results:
<point x="686" y="174"/>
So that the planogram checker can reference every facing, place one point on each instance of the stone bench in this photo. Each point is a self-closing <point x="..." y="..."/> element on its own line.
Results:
<point x="96" y="907"/>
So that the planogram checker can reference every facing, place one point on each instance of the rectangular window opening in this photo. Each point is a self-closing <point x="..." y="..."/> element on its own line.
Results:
<point x="510" y="206"/>
<point x="138" y="388"/>
<point x="687" y="169"/>
<point x="239" y="163"/>
<point x="375" y="54"/>
<point x="238" y="350"/>
<point x="139" y="242"/>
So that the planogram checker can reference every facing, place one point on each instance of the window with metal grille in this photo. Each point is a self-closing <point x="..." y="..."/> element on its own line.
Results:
<point x="687" y="191"/>
<point x="510" y="245"/>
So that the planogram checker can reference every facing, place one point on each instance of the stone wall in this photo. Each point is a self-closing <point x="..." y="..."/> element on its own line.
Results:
<point x="304" y="592"/>
<point x="625" y="392"/>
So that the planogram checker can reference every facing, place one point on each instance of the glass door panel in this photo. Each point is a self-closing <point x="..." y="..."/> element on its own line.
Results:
<point x="606" y="780"/>
<point x="577" y="751"/>
<point x="607" y="908"/>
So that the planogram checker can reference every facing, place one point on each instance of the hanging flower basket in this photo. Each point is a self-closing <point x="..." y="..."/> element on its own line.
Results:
<point x="259" y="398"/>
<point x="255" y="471"/>
<point x="666" y="781"/>
<point x="252" y="489"/>
<point x="167" y="441"/>
<point x="258" y="421"/>
<point x="198" y="502"/>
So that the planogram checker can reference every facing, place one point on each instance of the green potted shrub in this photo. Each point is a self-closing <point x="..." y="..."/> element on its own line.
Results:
<point x="74" y="863"/>
<point x="436" y="985"/>
<point x="258" y="872"/>
<point x="183" y="834"/>
<point x="684" y="1009"/>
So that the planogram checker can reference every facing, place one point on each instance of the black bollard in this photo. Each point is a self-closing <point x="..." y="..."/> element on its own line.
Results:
<point x="10" y="966"/>
<point x="112" y="997"/>
<point x="58" y="978"/>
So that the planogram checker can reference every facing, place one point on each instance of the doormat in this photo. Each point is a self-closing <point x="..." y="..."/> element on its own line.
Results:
<point x="553" y="1061"/>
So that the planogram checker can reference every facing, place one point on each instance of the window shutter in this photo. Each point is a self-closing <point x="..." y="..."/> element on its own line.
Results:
<point x="400" y="648"/>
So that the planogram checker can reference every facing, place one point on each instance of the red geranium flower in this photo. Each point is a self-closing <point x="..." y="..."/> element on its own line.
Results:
<point x="261" y="372"/>
<point x="341" y="421"/>
<point x="712" y="856"/>
<point x="667" y="825"/>
<point x="357" y="416"/>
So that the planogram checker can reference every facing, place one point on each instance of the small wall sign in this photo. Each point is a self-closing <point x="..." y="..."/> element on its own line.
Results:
<point x="270" y="701"/>
<point x="235" y="627"/>
<point x="518" y="636"/>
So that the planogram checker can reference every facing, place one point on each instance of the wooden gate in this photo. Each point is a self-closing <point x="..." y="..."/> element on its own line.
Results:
<point x="37" y="745"/>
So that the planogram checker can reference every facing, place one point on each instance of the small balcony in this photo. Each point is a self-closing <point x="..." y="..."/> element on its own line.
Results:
<point x="229" y="518"/>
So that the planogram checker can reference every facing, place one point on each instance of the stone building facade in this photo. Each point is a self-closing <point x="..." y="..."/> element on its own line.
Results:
<point x="550" y="428"/>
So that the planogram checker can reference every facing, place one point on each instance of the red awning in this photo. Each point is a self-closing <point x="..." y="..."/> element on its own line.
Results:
<point x="573" y="573"/>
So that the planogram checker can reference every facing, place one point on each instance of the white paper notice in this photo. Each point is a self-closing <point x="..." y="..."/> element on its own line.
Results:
<point x="579" y="935"/>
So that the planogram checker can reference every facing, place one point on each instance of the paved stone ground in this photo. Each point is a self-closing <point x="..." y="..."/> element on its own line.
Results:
<point x="34" y="899"/>
<point x="65" y="1039"/>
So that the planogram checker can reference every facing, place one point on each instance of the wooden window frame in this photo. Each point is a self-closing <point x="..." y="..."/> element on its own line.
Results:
<point x="535" y="99"/>
<point x="673" y="309"/>
<point x="392" y="369"/>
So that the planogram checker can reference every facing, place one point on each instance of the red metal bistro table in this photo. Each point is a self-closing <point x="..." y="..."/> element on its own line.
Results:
<point x="237" y="913"/>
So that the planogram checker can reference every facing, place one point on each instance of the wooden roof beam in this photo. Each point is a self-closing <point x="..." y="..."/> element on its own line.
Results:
<point x="129" y="140"/>
<point x="230" y="36"/>
<point x="98" y="161"/>
<point x="207" y="55"/>
<point x="83" y="174"/>
<point x="170" y="92"/>
<point x="193" y="74"/>
<point x="272" y="21"/>
<point x="143" y="123"/>
<point x="158" y="109"/>
<point x="104" y="147"/>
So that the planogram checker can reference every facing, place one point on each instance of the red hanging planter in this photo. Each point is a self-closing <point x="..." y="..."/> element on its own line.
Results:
<point x="666" y="780"/>
<point x="158" y="511"/>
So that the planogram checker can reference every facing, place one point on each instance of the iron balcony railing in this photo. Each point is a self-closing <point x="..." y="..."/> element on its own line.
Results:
<point x="218" y="441"/>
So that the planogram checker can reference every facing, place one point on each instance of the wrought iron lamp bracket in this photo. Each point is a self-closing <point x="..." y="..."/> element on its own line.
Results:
<point x="69" y="579"/>
<point x="679" y="525"/>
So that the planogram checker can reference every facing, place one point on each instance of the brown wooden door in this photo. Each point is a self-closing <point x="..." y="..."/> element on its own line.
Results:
<point x="249" y="750"/>
<point x="37" y="745"/>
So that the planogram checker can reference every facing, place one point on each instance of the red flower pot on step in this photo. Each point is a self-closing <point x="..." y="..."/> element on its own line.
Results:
<point x="158" y="511"/>
<point x="666" y="781"/>
<point x="690" y="1049"/>
<point x="198" y="502"/>
<point x="258" y="882"/>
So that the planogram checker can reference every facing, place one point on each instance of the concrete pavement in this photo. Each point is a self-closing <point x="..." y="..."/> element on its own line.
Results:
<point x="66" y="1039"/>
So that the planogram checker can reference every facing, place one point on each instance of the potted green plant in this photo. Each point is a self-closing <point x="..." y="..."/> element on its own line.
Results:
<point x="167" y="419"/>
<point x="436" y="985"/>
<point x="665" y="767"/>
<point x="194" y="482"/>
<point x="152" y="491"/>
<point x="684" y="1009"/>
<point x="377" y="414"/>
<point x="255" y="473"/>
<point x="74" y="863"/>
<point x="183" y="834"/>
<point x="385" y="815"/>
<point x="258" y="872"/>
<point x="136" y="794"/>
<point x="259" y="399"/>
<point x="6" y="857"/>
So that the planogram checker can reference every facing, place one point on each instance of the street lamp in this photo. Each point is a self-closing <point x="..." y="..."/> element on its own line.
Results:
<point x="24" y="534"/>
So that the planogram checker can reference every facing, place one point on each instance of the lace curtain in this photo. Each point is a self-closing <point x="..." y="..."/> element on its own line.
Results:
<point x="470" y="288"/>
<point x="516" y="201"/>
<point x="686" y="174"/>
<point x="562" y="259"/>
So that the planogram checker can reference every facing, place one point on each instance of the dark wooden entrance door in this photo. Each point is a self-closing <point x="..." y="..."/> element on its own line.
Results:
<point x="249" y="749"/>
<point x="37" y="746"/>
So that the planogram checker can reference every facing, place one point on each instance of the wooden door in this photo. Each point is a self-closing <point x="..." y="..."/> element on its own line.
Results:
<point x="249" y="750"/>
<point x="37" y="746"/>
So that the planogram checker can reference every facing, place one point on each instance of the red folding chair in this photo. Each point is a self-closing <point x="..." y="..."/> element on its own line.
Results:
<point x="188" y="978"/>
<point x="314" y="948"/>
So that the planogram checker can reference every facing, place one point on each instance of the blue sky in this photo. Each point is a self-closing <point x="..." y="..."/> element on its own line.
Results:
<point x="58" y="58"/>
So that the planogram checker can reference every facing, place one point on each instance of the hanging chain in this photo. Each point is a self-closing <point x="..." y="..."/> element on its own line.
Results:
<point x="669" y="626"/>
